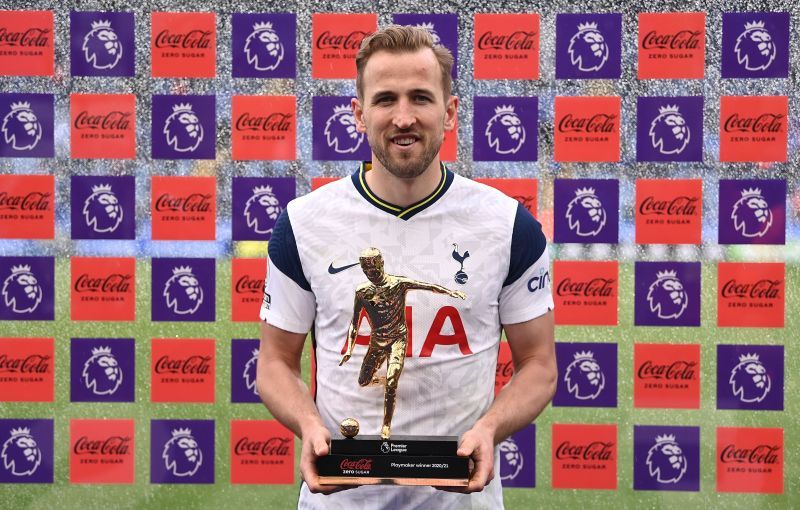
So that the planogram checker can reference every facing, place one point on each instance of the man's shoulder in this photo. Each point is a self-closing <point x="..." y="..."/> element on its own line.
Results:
<point x="331" y="196"/>
<point x="466" y="187"/>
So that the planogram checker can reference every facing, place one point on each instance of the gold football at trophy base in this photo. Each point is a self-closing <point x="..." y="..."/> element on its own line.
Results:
<point x="349" y="427"/>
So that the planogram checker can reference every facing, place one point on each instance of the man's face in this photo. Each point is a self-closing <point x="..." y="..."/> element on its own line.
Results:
<point x="403" y="111"/>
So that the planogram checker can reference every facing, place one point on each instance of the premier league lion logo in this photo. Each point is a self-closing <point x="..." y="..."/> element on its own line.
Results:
<point x="755" y="48"/>
<point x="262" y="209"/>
<point x="511" y="459"/>
<point x="102" y="210"/>
<point x="431" y="30"/>
<point x="183" y="292"/>
<point x="21" y="290"/>
<point x="669" y="133"/>
<point x="102" y="373"/>
<point x="666" y="296"/>
<point x="665" y="460"/>
<point x="583" y="376"/>
<point x="587" y="48"/>
<point x="749" y="379"/>
<point x="21" y="127"/>
<point x="505" y="132"/>
<point x="585" y="213"/>
<point x="101" y="46"/>
<point x="183" y="129"/>
<point x="263" y="47"/>
<point x="249" y="373"/>
<point x="21" y="454"/>
<point x="751" y="214"/>
<point x="340" y="130"/>
<point x="182" y="454"/>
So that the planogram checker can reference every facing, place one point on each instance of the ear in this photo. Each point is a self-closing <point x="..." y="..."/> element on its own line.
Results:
<point x="450" y="113"/>
<point x="358" y="112"/>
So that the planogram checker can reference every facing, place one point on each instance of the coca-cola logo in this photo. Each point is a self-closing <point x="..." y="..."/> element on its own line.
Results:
<point x="114" y="120"/>
<point x="30" y="364"/>
<point x="247" y="285"/>
<point x="505" y="369"/>
<point x="272" y="446"/>
<point x="192" y="365"/>
<point x="33" y="37"/>
<point x="597" y="123"/>
<point x="196" y="202"/>
<point x="358" y="465"/>
<point x="193" y="39"/>
<point x="681" y="40"/>
<point x="596" y="287"/>
<point x="112" y="283"/>
<point x="275" y="121"/>
<point x="761" y="454"/>
<point x="112" y="445"/>
<point x="351" y="41"/>
<point x="519" y="40"/>
<point x="764" y="123"/>
<point x="678" y="206"/>
<point x="33" y="201"/>
<point x="594" y="451"/>
<point x="677" y="370"/>
<point x="762" y="289"/>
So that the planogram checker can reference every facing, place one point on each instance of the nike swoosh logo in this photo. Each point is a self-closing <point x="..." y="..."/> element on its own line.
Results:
<point x="334" y="270"/>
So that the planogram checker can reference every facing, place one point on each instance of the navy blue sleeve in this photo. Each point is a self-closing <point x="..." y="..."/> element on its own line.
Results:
<point x="282" y="250"/>
<point x="527" y="244"/>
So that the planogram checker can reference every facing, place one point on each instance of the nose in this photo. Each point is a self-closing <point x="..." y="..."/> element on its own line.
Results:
<point x="404" y="116"/>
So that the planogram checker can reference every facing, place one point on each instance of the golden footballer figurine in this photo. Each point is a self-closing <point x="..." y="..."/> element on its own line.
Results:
<point x="384" y="300"/>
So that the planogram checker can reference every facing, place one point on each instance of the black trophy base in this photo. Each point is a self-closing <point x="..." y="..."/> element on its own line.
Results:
<point x="401" y="460"/>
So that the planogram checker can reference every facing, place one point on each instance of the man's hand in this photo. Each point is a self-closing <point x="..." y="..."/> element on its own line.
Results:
<point x="458" y="294"/>
<point x="478" y="444"/>
<point x="316" y="444"/>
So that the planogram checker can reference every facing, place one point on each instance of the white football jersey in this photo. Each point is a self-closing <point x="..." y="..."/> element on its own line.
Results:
<point x="465" y="236"/>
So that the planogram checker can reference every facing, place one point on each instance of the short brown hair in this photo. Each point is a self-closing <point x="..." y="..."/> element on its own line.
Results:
<point x="403" y="39"/>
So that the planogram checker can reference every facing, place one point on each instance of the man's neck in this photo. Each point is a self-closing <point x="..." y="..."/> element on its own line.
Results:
<point x="403" y="192"/>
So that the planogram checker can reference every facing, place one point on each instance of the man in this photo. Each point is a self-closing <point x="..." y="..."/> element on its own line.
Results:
<point x="383" y="298"/>
<point x="414" y="210"/>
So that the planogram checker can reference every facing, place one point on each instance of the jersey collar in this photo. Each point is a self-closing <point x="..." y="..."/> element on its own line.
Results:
<point x="404" y="213"/>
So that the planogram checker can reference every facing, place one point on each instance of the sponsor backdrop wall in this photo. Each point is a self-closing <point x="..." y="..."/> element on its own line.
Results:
<point x="146" y="152"/>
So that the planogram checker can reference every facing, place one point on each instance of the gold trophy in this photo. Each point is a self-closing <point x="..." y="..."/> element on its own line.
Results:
<point x="402" y="460"/>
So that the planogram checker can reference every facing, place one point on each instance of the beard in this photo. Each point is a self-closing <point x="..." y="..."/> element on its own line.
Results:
<point x="405" y="166"/>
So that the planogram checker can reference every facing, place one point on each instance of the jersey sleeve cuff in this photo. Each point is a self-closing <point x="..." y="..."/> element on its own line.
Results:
<point x="526" y="314"/>
<point x="283" y="323"/>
